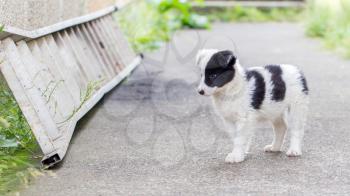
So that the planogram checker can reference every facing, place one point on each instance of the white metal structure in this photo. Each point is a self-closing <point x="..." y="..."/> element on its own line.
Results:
<point x="58" y="73"/>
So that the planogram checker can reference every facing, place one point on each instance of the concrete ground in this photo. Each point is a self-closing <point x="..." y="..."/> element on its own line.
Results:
<point x="153" y="135"/>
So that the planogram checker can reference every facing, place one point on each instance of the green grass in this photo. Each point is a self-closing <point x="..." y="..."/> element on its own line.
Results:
<point x="149" y="24"/>
<point x="18" y="149"/>
<point x="243" y="14"/>
<point x="330" y="21"/>
<point x="148" y="30"/>
<point x="17" y="170"/>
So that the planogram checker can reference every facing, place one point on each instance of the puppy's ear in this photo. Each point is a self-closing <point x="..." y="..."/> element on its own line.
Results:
<point x="226" y="59"/>
<point x="200" y="55"/>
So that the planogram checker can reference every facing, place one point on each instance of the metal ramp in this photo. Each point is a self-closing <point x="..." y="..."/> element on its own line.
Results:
<point x="58" y="73"/>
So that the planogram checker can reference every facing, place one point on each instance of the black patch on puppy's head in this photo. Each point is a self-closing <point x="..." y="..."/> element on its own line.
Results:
<point x="220" y="69"/>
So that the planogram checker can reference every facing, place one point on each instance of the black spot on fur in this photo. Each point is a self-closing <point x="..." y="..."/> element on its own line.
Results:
<point x="220" y="69"/>
<point x="305" y="88"/>
<point x="259" y="91"/>
<point x="279" y="86"/>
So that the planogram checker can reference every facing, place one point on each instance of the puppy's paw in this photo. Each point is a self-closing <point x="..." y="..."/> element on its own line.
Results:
<point x="234" y="158"/>
<point x="269" y="148"/>
<point x="293" y="152"/>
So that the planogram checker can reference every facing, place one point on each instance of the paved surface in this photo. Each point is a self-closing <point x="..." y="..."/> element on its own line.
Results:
<point x="153" y="135"/>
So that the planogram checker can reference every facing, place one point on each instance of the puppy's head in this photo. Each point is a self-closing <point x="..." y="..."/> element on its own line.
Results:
<point x="217" y="69"/>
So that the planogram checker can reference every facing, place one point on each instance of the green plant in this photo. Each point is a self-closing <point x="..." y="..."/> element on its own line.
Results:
<point x="144" y="26"/>
<point x="148" y="24"/>
<point x="330" y="21"/>
<point x="85" y="95"/>
<point x="16" y="170"/>
<point x="18" y="148"/>
<point x="184" y="13"/>
<point x="243" y="14"/>
<point x="14" y="126"/>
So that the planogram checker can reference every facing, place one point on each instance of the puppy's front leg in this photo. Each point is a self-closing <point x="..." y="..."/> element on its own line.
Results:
<point x="241" y="135"/>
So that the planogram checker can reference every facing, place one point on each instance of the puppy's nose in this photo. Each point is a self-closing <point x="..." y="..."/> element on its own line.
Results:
<point x="201" y="92"/>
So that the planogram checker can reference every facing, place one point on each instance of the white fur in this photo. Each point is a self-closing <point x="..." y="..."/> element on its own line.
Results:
<point x="233" y="103"/>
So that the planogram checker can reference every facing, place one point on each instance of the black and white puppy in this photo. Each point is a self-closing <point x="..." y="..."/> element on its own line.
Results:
<point x="246" y="96"/>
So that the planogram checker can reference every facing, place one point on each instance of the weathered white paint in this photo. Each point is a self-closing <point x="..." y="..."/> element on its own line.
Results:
<point x="50" y="70"/>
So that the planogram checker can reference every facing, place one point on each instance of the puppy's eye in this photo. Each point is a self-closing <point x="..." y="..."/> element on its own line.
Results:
<point x="212" y="76"/>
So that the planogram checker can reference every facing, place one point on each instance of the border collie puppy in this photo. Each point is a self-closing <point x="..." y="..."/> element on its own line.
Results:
<point x="245" y="96"/>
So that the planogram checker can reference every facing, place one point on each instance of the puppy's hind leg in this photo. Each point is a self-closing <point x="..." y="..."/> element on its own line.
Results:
<point x="279" y="129"/>
<point x="298" y="115"/>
